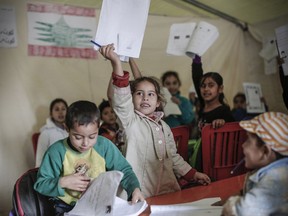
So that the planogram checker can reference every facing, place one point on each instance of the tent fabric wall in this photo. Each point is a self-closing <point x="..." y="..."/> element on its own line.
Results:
<point x="28" y="84"/>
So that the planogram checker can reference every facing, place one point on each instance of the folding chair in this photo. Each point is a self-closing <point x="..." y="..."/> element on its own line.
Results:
<point x="181" y="137"/>
<point x="222" y="150"/>
<point x="34" y="138"/>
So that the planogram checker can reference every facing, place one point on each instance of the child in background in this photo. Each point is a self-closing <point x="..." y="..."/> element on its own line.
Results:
<point x="53" y="130"/>
<point x="239" y="107"/>
<point x="213" y="109"/>
<point x="70" y="164"/>
<point x="266" y="153"/>
<point x="171" y="81"/>
<point x="151" y="148"/>
<point x="109" y="127"/>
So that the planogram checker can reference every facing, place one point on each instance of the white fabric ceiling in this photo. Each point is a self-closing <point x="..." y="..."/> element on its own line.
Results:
<point x="251" y="12"/>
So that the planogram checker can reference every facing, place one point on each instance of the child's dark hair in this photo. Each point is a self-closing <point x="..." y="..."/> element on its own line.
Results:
<point x="153" y="81"/>
<point x="82" y="113"/>
<point x="103" y="105"/>
<point x="219" y="80"/>
<point x="239" y="95"/>
<point x="168" y="74"/>
<point x="55" y="101"/>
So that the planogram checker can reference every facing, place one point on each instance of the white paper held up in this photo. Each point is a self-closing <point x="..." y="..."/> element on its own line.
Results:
<point x="204" y="35"/>
<point x="123" y="23"/>
<point x="253" y="94"/>
<point x="179" y="37"/>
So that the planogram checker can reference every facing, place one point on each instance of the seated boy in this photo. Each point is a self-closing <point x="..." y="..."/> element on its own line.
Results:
<point x="266" y="153"/>
<point x="70" y="164"/>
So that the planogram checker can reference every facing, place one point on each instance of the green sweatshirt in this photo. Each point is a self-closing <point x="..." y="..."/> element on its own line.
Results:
<point x="60" y="160"/>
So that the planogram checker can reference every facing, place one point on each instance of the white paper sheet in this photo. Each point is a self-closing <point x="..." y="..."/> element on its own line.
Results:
<point x="191" y="38"/>
<point x="123" y="23"/>
<point x="198" y="208"/>
<point x="8" y="33"/>
<point x="170" y="108"/>
<point x="122" y="207"/>
<point x="253" y="95"/>
<point x="282" y="44"/>
<point x="179" y="37"/>
<point x="203" y="37"/>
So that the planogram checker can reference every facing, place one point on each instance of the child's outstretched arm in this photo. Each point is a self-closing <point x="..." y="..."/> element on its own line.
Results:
<point x="108" y="52"/>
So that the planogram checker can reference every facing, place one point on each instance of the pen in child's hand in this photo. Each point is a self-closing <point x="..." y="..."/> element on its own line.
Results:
<point x="95" y="43"/>
<point x="237" y="166"/>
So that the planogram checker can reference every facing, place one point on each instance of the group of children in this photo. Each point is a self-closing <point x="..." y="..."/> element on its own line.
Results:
<point x="151" y="165"/>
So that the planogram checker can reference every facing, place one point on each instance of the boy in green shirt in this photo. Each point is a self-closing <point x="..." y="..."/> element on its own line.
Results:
<point x="70" y="164"/>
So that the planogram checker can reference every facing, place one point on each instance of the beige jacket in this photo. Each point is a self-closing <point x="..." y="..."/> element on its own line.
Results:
<point x="150" y="149"/>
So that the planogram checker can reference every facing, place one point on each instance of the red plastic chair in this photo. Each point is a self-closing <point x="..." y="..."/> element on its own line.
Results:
<point x="181" y="137"/>
<point x="222" y="150"/>
<point x="35" y="137"/>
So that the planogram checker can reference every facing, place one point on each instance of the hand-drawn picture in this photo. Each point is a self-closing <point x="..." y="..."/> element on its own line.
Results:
<point x="57" y="30"/>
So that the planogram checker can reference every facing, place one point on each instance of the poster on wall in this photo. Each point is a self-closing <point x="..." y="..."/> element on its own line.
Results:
<point x="56" y="30"/>
<point x="8" y="33"/>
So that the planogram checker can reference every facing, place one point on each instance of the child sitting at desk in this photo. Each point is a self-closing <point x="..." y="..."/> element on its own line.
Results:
<point x="266" y="153"/>
<point x="70" y="164"/>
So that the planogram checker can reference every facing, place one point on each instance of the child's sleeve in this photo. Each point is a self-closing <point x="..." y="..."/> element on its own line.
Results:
<point x="116" y="161"/>
<point x="49" y="172"/>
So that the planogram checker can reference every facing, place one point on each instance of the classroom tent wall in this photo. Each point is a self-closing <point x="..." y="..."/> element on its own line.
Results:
<point x="28" y="84"/>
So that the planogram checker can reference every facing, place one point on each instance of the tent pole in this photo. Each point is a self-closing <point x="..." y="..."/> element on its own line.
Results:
<point x="244" y="26"/>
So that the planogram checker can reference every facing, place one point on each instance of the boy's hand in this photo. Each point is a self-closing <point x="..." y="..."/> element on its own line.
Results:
<point x="75" y="182"/>
<point x="202" y="178"/>
<point x="137" y="196"/>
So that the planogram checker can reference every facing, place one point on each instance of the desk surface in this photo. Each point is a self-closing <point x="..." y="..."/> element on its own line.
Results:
<point x="222" y="188"/>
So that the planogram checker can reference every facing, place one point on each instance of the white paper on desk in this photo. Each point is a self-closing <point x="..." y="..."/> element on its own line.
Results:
<point x="282" y="44"/>
<point x="203" y="37"/>
<point x="179" y="37"/>
<point x="198" y="208"/>
<point x="122" y="207"/>
<point x="253" y="94"/>
<point x="170" y="108"/>
<point x="123" y="23"/>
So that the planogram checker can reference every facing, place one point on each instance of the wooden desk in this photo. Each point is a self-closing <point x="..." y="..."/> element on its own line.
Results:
<point x="222" y="188"/>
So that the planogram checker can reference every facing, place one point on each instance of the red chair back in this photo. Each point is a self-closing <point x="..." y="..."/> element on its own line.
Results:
<point x="181" y="137"/>
<point x="222" y="150"/>
<point x="35" y="137"/>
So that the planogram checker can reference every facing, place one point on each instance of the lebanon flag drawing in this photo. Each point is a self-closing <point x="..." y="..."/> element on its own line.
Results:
<point x="56" y="30"/>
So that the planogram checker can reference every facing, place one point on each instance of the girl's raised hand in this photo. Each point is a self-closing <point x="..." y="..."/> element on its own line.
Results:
<point x="108" y="52"/>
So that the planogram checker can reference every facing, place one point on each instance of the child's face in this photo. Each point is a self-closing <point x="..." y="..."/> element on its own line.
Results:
<point x="145" y="98"/>
<point x="84" y="137"/>
<point x="254" y="154"/>
<point x="210" y="90"/>
<point x="239" y="102"/>
<point x="59" y="112"/>
<point x="172" y="84"/>
<point x="108" y="116"/>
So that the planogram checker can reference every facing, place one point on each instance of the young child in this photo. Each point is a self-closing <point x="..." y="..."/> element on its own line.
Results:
<point x="266" y="153"/>
<point x="171" y="81"/>
<point x="213" y="110"/>
<point x="109" y="127"/>
<point x="53" y="130"/>
<point x="151" y="148"/>
<point x="70" y="164"/>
